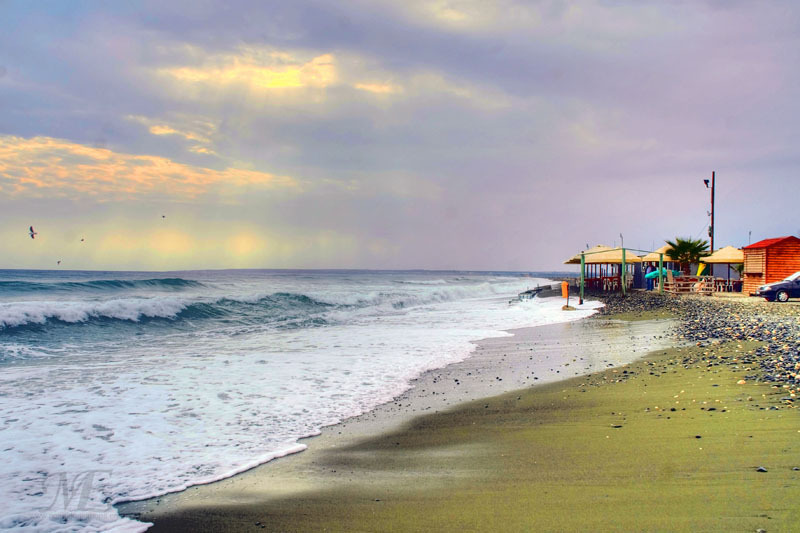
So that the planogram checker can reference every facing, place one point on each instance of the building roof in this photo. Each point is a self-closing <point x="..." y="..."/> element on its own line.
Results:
<point x="766" y="243"/>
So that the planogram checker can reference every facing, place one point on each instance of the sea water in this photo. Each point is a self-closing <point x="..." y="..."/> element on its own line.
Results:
<point x="117" y="386"/>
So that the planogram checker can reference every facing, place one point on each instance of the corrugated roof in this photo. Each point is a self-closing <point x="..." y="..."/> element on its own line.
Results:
<point x="766" y="243"/>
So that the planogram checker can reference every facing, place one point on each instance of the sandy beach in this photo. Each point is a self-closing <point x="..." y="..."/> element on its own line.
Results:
<point x="632" y="424"/>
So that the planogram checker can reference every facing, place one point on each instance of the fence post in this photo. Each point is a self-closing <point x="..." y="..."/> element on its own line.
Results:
<point x="622" y="274"/>
<point x="661" y="273"/>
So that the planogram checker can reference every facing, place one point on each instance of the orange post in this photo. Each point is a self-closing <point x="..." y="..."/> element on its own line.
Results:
<point x="564" y="289"/>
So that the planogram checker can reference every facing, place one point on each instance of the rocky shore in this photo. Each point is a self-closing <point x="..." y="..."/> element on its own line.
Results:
<point x="711" y="322"/>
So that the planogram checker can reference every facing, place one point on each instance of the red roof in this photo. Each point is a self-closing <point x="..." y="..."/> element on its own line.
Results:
<point x="766" y="243"/>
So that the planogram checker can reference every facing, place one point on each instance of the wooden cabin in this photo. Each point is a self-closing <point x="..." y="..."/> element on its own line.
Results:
<point x="770" y="260"/>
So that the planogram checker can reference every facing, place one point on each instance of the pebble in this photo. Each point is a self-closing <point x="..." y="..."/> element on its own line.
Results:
<point x="706" y="322"/>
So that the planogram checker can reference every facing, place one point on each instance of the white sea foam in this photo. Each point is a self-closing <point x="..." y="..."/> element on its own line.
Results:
<point x="133" y="309"/>
<point x="38" y="312"/>
<point x="141" y="413"/>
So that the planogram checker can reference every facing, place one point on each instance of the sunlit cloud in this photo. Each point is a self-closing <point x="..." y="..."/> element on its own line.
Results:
<point x="47" y="167"/>
<point x="196" y="132"/>
<point x="258" y="70"/>
<point x="162" y="130"/>
<point x="378" y="88"/>
<point x="201" y="150"/>
<point x="303" y="78"/>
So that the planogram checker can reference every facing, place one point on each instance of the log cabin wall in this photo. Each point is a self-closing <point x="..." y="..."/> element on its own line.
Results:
<point x="754" y="268"/>
<point x="783" y="260"/>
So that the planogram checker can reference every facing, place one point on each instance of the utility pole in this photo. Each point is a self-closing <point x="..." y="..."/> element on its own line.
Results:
<point x="711" y="229"/>
<point x="711" y="226"/>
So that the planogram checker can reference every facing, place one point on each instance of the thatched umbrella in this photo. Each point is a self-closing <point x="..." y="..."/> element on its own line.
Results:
<point x="612" y="257"/>
<point x="725" y="256"/>
<point x="728" y="255"/>
<point x="653" y="257"/>
<point x="576" y="259"/>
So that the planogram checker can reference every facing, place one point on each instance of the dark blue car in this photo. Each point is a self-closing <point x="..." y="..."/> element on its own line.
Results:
<point x="781" y="290"/>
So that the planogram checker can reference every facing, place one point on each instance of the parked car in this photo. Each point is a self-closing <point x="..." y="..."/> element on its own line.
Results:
<point x="781" y="290"/>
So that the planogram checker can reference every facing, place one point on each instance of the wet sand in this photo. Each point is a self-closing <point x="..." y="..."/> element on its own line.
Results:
<point x="530" y="356"/>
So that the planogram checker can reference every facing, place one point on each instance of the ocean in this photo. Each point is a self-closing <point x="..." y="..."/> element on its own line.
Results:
<point x="118" y="386"/>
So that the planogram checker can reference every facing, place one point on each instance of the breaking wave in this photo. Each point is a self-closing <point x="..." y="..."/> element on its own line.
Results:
<point x="98" y="285"/>
<point x="279" y="307"/>
<point x="283" y="309"/>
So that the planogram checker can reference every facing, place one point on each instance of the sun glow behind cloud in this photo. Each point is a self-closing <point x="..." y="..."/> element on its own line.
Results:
<point x="258" y="71"/>
<point x="178" y="242"/>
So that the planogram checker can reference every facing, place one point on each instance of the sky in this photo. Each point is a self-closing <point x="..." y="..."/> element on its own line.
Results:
<point x="463" y="134"/>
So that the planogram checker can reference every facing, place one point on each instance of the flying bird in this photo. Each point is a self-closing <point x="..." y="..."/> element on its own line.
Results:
<point x="82" y="239"/>
<point x="32" y="233"/>
<point x="163" y="216"/>
<point x="58" y="262"/>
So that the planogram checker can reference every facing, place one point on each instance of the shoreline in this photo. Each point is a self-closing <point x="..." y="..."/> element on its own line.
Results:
<point x="700" y="437"/>
<point x="496" y="366"/>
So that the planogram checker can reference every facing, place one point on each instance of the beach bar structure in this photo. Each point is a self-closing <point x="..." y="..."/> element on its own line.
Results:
<point x="725" y="256"/>
<point x="605" y="269"/>
<point x="770" y="260"/>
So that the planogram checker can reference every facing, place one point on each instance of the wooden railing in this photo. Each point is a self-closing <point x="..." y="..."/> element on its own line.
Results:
<point x="608" y="283"/>
<point x="706" y="285"/>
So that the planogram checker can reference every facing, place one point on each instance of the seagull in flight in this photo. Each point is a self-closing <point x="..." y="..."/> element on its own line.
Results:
<point x="32" y="233"/>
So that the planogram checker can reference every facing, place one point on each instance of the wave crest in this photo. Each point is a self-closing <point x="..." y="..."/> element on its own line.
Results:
<point x="98" y="285"/>
<point x="277" y="308"/>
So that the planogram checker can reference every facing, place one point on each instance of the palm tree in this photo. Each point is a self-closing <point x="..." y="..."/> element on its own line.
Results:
<point x="687" y="251"/>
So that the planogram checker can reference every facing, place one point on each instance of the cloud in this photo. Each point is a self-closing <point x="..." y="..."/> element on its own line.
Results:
<point x="190" y="128"/>
<point x="378" y="88"/>
<point x="470" y="16"/>
<point x="257" y="70"/>
<point x="436" y="132"/>
<point x="47" y="167"/>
